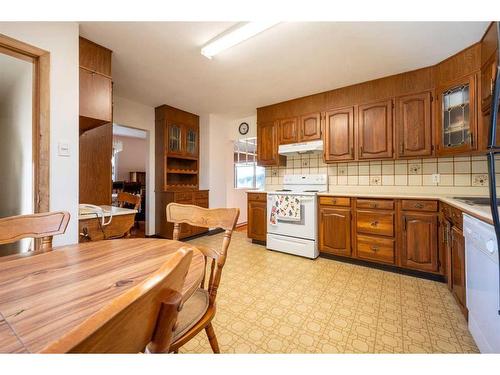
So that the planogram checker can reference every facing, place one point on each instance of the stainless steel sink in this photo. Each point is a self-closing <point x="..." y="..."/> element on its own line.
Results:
<point x="474" y="201"/>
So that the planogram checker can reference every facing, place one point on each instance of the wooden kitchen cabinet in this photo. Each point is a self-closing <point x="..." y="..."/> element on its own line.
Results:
<point x="457" y="249"/>
<point x="339" y="134"/>
<point x="375" y="131"/>
<point x="414" y="125"/>
<point x="335" y="230"/>
<point x="419" y="248"/>
<point x="267" y="144"/>
<point x="288" y="131"/>
<point x="456" y="125"/>
<point x="257" y="216"/>
<point x="310" y="127"/>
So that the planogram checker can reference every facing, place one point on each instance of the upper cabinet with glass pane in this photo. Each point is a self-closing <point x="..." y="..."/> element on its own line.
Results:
<point x="456" y="130"/>
<point x="191" y="142"/>
<point x="174" y="139"/>
<point x="182" y="140"/>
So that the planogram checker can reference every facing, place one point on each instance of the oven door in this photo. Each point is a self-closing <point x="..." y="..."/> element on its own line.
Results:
<point x="305" y="228"/>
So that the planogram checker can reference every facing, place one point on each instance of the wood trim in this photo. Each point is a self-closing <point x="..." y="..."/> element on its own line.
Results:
<point x="41" y="115"/>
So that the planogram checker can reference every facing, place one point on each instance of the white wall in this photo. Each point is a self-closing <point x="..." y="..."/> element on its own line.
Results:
<point x="136" y="115"/>
<point x="217" y="134"/>
<point x="61" y="40"/>
<point x="132" y="158"/>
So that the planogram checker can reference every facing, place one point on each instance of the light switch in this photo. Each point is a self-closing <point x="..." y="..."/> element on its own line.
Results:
<point x="63" y="149"/>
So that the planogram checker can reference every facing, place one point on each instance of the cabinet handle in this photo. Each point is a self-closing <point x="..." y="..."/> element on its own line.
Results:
<point x="352" y="151"/>
<point x="334" y="201"/>
<point x="401" y="148"/>
<point x="471" y="139"/>
<point x="374" y="223"/>
<point x="492" y="86"/>
<point x="375" y="248"/>
<point x="374" y="205"/>
<point x="419" y="205"/>
<point x="361" y="150"/>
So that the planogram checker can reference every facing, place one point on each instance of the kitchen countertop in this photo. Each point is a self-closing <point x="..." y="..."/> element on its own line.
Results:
<point x="108" y="211"/>
<point x="481" y="212"/>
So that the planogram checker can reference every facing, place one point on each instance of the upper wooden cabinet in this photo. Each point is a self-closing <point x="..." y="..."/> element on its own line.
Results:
<point x="375" y="130"/>
<point x="300" y="129"/>
<point x="288" y="131"/>
<point x="310" y="127"/>
<point x="414" y="125"/>
<point x="456" y="125"/>
<point x="339" y="134"/>
<point x="96" y="88"/>
<point x="267" y="144"/>
<point x="95" y="99"/>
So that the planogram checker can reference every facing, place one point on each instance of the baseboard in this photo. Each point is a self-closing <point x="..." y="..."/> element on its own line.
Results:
<point x="386" y="267"/>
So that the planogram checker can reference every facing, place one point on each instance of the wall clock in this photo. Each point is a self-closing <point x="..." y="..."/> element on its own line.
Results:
<point x="243" y="129"/>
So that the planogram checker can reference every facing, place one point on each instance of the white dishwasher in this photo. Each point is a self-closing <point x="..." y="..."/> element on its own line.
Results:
<point x="481" y="263"/>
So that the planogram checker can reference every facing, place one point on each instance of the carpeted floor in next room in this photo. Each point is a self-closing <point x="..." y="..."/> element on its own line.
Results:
<point x="269" y="302"/>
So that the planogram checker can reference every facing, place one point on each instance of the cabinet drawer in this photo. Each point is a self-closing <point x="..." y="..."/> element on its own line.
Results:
<point x="415" y="205"/>
<point x="186" y="196"/>
<point x="373" y="222"/>
<point x="375" y="248"/>
<point x="335" y="201"/>
<point x="259" y="197"/>
<point x="382" y="204"/>
<point x="201" y="195"/>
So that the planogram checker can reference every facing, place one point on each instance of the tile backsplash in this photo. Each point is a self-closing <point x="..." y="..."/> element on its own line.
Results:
<point x="463" y="171"/>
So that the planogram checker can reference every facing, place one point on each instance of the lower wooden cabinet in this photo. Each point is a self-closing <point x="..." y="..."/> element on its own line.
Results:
<point x="163" y="227"/>
<point x="419" y="248"/>
<point x="257" y="216"/>
<point x="335" y="230"/>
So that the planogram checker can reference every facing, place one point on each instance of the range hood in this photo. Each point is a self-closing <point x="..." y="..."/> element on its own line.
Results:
<point x="313" y="147"/>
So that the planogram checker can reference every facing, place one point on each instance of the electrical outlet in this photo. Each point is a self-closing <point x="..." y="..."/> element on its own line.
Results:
<point x="274" y="173"/>
<point x="305" y="162"/>
<point x="436" y="177"/>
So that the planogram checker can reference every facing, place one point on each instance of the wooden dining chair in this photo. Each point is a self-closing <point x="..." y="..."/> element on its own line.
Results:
<point x="140" y="320"/>
<point x="199" y="310"/>
<point x="128" y="200"/>
<point x="42" y="226"/>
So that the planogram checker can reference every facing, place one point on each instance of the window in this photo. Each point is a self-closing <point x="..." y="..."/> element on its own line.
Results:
<point x="247" y="174"/>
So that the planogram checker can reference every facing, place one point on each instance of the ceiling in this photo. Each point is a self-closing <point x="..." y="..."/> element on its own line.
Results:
<point x="158" y="63"/>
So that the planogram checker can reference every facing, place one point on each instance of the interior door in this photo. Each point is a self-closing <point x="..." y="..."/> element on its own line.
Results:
<point x="375" y="130"/>
<point x="339" y="134"/>
<point x="414" y="125"/>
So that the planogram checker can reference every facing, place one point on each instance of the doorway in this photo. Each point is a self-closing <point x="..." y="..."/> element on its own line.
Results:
<point x="24" y="112"/>
<point x="128" y="169"/>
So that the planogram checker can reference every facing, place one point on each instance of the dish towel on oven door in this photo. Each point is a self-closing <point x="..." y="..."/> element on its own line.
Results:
<point x="285" y="208"/>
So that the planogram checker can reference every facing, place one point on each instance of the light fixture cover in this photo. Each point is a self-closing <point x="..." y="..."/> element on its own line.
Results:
<point x="235" y="37"/>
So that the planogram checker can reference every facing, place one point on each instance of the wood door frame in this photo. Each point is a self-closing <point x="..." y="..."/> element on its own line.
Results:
<point x="41" y="115"/>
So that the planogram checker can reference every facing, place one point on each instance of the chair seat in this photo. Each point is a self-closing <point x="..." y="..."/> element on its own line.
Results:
<point x="192" y="311"/>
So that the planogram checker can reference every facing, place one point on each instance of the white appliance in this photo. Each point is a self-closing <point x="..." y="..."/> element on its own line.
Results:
<point x="301" y="148"/>
<point x="297" y="237"/>
<point x="481" y="262"/>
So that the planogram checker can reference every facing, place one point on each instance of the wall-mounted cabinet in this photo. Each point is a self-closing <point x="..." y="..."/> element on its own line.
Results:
<point x="303" y="128"/>
<point x="339" y="134"/>
<point x="375" y="130"/>
<point x="414" y="125"/>
<point x="456" y="130"/>
<point x="267" y="144"/>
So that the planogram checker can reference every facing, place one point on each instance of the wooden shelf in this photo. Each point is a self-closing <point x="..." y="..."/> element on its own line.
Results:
<point x="182" y="171"/>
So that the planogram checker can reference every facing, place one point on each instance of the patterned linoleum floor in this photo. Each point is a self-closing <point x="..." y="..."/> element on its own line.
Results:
<point x="269" y="302"/>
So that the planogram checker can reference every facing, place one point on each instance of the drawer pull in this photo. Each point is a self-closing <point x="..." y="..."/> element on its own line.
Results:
<point x="334" y="201"/>
<point x="374" y="223"/>
<point x="419" y="205"/>
<point x="374" y="205"/>
<point x="375" y="248"/>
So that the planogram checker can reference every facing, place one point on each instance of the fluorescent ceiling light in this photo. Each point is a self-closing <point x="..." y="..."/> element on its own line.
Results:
<point x="234" y="37"/>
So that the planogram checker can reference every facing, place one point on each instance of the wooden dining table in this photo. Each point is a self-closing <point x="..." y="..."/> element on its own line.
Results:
<point x="45" y="295"/>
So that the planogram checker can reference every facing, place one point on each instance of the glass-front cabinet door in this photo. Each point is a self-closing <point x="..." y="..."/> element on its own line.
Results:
<point x="191" y="142"/>
<point x="456" y="118"/>
<point x="174" y="139"/>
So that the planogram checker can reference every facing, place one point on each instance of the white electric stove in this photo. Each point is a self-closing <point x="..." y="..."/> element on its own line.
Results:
<point x="300" y="236"/>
